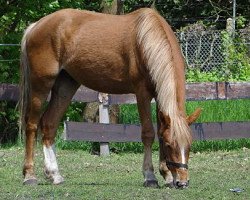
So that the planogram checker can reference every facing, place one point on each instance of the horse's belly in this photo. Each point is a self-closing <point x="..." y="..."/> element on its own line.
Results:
<point x="110" y="80"/>
<point x="111" y="87"/>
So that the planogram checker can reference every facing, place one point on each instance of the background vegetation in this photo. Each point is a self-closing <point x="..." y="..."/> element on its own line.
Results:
<point x="15" y="15"/>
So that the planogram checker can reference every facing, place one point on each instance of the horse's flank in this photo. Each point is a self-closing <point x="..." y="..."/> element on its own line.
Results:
<point x="83" y="42"/>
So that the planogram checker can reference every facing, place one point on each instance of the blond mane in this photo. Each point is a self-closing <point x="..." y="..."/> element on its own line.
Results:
<point x="159" y="57"/>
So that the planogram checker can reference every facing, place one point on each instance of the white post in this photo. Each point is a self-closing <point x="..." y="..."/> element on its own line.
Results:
<point x="104" y="118"/>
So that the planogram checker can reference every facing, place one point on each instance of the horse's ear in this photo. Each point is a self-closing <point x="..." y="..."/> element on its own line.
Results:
<point x="194" y="116"/>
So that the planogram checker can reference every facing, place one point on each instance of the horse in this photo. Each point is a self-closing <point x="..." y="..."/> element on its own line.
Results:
<point x="134" y="53"/>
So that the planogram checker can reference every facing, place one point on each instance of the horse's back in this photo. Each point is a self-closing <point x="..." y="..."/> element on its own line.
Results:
<point x="96" y="49"/>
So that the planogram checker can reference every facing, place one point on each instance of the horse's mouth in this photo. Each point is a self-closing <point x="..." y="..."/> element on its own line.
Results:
<point x="181" y="184"/>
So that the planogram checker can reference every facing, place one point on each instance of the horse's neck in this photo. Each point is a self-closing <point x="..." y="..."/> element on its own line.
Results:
<point x="181" y="87"/>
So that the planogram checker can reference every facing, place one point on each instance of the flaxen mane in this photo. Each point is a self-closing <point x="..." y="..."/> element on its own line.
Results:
<point x="158" y="55"/>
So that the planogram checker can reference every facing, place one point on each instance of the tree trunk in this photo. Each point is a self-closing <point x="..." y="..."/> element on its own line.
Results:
<point x="116" y="8"/>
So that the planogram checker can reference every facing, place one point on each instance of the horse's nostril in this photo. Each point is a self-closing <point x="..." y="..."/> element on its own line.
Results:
<point x="181" y="185"/>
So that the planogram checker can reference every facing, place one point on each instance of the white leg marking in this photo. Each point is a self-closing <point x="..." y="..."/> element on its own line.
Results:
<point x="51" y="167"/>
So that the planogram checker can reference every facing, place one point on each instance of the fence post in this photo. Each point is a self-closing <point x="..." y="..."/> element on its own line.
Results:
<point x="104" y="118"/>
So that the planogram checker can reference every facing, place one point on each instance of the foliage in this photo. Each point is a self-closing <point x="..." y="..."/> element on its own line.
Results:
<point x="197" y="75"/>
<point x="8" y="122"/>
<point x="237" y="65"/>
<point x="74" y="112"/>
<point x="183" y="12"/>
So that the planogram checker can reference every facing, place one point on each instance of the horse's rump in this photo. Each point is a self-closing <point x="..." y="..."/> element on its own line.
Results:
<point x="93" y="48"/>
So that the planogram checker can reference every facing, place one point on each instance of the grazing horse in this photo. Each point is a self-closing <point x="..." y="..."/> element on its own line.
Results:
<point x="134" y="53"/>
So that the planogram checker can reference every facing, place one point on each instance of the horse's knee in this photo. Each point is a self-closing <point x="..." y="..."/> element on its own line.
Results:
<point x="147" y="141"/>
<point x="48" y="130"/>
<point x="148" y="137"/>
<point x="46" y="126"/>
<point x="31" y="127"/>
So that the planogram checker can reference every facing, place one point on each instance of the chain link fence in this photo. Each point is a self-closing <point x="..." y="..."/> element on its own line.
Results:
<point x="202" y="50"/>
<point x="212" y="50"/>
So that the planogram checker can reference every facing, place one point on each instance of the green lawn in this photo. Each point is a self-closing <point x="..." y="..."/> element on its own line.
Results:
<point x="119" y="176"/>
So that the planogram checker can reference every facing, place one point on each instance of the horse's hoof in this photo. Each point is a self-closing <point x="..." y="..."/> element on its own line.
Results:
<point x="58" y="180"/>
<point x="30" y="181"/>
<point x="151" y="183"/>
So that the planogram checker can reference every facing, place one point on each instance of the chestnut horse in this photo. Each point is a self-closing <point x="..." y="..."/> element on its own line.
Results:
<point x="134" y="53"/>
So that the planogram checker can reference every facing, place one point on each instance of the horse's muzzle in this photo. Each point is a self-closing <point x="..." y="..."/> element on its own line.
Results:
<point x="181" y="184"/>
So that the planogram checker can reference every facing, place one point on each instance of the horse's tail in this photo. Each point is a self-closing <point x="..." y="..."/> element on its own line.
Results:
<point x="159" y="47"/>
<point x="24" y="84"/>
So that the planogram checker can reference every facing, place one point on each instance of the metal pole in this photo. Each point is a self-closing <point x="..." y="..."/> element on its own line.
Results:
<point x="234" y="14"/>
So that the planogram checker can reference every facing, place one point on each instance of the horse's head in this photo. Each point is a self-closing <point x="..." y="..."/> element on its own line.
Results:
<point x="175" y="152"/>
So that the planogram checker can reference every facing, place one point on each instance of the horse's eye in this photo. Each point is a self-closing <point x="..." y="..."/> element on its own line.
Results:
<point x="167" y="144"/>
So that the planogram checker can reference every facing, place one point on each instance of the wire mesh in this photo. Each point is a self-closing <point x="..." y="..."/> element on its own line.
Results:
<point x="206" y="50"/>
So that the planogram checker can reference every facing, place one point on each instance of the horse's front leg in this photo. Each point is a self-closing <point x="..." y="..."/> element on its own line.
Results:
<point x="62" y="92"/>
<point x="144" y="104"/>
<point x="164" y="171"/>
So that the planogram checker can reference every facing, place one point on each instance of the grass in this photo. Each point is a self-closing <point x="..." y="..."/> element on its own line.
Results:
<point x="212" y="111"/>
<point x="221" y="110"/>
<point x="212" y="175"/>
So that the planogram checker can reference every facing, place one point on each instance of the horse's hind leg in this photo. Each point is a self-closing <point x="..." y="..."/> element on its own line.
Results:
<point x="144" y="104"/>
<point x="39" y="91"/>
<point x="62" y="92"/>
